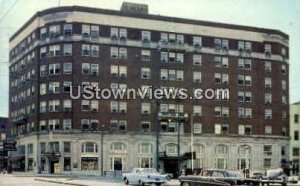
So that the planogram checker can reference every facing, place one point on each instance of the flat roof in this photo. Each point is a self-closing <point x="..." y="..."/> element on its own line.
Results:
<point x="147" y="16"/>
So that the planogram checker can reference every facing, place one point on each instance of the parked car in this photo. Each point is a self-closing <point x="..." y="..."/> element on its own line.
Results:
<point x="145" y="176"/>
<point x="216" y="177"/>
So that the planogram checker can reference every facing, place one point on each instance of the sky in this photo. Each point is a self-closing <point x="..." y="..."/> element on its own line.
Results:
<point x="282" y="15"/>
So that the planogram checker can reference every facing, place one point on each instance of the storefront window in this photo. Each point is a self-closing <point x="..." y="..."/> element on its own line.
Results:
<point x="89" y="163"/>
<point x="67" y="164"/>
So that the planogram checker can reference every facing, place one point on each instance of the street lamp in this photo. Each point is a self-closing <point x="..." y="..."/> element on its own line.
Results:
<point x="102" y="159"/>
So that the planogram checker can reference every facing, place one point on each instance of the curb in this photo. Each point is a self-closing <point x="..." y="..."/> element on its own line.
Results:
<point x="59" y="182"/>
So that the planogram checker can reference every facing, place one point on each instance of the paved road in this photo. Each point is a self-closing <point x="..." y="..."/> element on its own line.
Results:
<point x="8" y="180"/>
<point x="14" y="180"/>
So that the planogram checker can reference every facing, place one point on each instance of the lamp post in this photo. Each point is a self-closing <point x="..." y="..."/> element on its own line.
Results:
<point x="102" y="159"/>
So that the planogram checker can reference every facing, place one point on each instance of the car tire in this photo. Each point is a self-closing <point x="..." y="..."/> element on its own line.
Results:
<point x="185" y="184"/>
<point x="158" y="184"/>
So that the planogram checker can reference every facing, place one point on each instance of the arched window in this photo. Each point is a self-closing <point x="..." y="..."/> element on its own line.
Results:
<point x="89" y="147"/>
<point x="199" y="161"/>
<point x="221" y="156"/>
<point x="118" y="146"/>
<point x="244" y="157"/>
<point x="171" y="149"/>
<point x="221" y="150"/>
<point x="145" y="148"/>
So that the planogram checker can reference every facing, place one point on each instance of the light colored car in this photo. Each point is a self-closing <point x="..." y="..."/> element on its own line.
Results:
<point x="144" y="176"/>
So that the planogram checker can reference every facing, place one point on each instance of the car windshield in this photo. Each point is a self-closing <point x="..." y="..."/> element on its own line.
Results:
<point x="233" y="174"/>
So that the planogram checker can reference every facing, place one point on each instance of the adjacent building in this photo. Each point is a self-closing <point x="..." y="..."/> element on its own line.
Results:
<point x="71" y="46"/>
<point x="4" y="130"/>
<point x="294" y="135"/>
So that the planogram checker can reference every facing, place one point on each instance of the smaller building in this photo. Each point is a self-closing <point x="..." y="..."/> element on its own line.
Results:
<point x="294" y="134"/>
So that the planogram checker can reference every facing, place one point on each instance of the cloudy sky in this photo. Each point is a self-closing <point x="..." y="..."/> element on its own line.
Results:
<point x="276" y="14"/>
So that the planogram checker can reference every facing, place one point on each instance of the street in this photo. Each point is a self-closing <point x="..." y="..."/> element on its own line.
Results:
<point x="15" y="180"/>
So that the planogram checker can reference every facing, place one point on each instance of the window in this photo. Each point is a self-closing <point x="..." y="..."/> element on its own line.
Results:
<point x="42" y="125"/>
<point x="221" y="62"/>
<point x="164" y="56"/>
<point x="122" y="125"/>
<point x="86" y="30"/>
<point x="145" y="73"/>
<point x="145" y="108"/>
<point x="267" y="163"/>
<point x="123" y="33"/>
<point x="95" y="105"/>
<point x="114" y="33"/>
<point x="145" y="55"/>
<point x="122" y="53"/>
<point x="94" y="31"/>
<point x="197" y="110"/>
<point x="221" y="128"/>
<point x="95" y="51"/>
<point x="268" y="114"/>
<point x="85" y="51"/>
<point x="114" y="106"/>
<point x="85" y="105"/>
<point x="145" y="126"/>
<point x="54" y="105"/>
<point x="67" y="164"/>
<point x="43" y="71"/>
<point x="89" y="147"/>
<point x="268" y="49"/>
<point x="268" y="66"/>
<point x="248" y="97"/>
<point x="296" y="151"/>
<point x="179" y="58"/>
<point x="296" y="118"/>
<point x="267" y="150"/>
<point x="283" y="85"/>
<point x="171" y="149"/>
<point x="54" y="31"/>
<point x="197" y="41"/>
<point x="53" y="124"/>
<point x="217" y="78"/>
<point x="268" y="82"/>
<point x="85" y="124"/>
<point x="67" y="105"/>
<point x="67" y="124"/>
<point x="67" y="68"/>
<point x="197" y="77"/>
<point x="146" y="36"/>
<point x="114" y="52"/>
<point x="67" y="86"/>
<point x="218" y="43"/>
<point x="43" y="33"/>
<point x="245" y="129"/>
<point x="43" y="89"/>
<point x="248" y="81"/>
<point x="268" y="98"/>
<point x="68" y="29"/>
<point x="244" y="64"/>
<point x="30" y="149"/>
<point x="54" y="87"/>
<point x="123" y="107"/>
<point x="296" y="135"/>
<point x="67" y="49"/>
<point x="94" y="69"/>
<point x="197" y="128"/>
<point x="123" y="71"/>
<point x="283" y="69"/>
<point x="54" y="69"/>
<point x="268" y="130"/>
<point x="86" y="69"/>
<point x="197" y="59"/>
<point x="43" y="106"/>
<point x="54" y="50"/>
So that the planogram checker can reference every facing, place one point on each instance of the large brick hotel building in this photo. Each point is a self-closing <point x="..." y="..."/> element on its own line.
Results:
<point x="65" y="46"/>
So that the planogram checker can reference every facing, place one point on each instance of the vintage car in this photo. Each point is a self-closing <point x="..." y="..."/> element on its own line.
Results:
<point x="216" y="177"/>
<point x="144" y="176"/>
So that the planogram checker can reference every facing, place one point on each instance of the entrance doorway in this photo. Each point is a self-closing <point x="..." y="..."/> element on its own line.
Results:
<point x="170" y="166"/>
<point x="53" y="161"/>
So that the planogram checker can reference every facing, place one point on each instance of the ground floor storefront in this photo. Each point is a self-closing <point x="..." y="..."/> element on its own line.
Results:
<point x="91" y="153"/>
